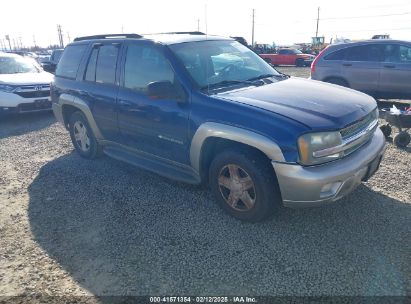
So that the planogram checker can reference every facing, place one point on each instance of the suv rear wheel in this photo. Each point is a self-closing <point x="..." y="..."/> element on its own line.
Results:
<point x="82" y="136"/>
<point x="244" y="185"/>
<point x="338" y="81"/>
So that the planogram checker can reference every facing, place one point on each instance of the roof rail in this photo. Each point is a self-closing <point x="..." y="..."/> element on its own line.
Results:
<point x="107" y="36"/>
<point x="185" y="33"/>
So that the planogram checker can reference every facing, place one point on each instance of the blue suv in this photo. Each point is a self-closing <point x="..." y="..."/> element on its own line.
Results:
<point x="207" y="110"/>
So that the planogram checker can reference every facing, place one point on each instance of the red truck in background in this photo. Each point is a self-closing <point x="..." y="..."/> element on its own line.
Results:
<point x="289" y="57"/>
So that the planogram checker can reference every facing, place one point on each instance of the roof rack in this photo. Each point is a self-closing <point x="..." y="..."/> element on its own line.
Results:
<point x="107" y="36"/>
<point x="184" y="33"/>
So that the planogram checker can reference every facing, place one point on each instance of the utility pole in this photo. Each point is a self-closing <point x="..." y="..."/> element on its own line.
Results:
<point x="318" y="21"/>
<point x="252" y="32"/>
<point x="68" y="37"/>
<point x="8" y="39"/>
<point x="59" y="32"/>
<point x="34" y="40"/>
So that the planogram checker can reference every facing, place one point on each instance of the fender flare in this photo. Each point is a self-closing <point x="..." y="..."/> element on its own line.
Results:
<point x="67" y="99"/>
<point x="218" y="130"/>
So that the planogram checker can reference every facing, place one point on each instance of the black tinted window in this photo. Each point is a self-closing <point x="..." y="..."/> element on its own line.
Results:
<point x="405" y="54"/>
<point x="91" y="66"/>
<point x="365" y="53"/>
<point x="397" y="53"/>
<point x="145" y="64"/>
<point x="70" y="61"/>
<point x="106" y="64"/>
<point x="337" y="55"/>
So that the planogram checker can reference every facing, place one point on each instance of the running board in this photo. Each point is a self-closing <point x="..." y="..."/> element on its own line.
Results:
<point x="159" y="166"/>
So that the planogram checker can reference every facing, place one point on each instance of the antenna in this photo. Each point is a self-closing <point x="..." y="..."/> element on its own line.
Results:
<point x="252" y="30"/>
<point x="206" y="26"/>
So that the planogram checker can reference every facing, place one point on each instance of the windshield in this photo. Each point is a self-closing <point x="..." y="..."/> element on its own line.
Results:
<point x="216" y="62"/>
<point x="14" y="65"/>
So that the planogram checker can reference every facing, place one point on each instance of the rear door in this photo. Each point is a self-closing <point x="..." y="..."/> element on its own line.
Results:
<point x="396" y="71"/>
<point x="158" y="126"/>
<point x="100" y="86"/>
<point x="362" y="67"/>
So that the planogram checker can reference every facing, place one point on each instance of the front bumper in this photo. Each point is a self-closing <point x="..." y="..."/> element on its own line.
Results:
<point x="28" y="107"/>
<point x="317" y="185"/>
<point x="14" y="103"/>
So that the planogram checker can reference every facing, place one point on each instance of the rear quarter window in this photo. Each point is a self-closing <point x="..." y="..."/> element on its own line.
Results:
<point x="70" y="61"/>
<point x="337" y="55"/>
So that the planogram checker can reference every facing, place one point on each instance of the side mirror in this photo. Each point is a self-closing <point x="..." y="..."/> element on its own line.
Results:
<point x="164" y="90"/>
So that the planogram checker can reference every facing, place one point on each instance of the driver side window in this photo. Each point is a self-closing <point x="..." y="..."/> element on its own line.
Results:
<point x="145" y="64"/>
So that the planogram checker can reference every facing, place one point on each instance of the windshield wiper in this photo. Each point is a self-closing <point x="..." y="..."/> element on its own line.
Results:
<point x="227" y="83"/>
<point x="267" y="76"/>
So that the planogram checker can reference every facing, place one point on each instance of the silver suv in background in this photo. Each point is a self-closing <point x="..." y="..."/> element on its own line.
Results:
<point x="381" y="68"/>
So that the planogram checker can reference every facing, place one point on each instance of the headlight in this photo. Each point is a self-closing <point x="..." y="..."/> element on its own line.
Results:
<point x="317" y="148"/>
<point x="6" y="88"/>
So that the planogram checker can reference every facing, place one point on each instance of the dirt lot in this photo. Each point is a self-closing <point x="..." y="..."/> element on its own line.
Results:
<point x="69" y="226"/>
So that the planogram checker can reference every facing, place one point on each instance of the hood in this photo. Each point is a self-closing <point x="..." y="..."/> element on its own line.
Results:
<point x="26" y="78"/>
<point x="318" y="105"/>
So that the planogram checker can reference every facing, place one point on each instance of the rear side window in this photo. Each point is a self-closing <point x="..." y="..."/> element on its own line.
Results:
<point x="91" y="66"/>
<point x="70" y="61"/>
<point x="106" y="64"/>
<point x="337" y="55"/>
<point x="370" y="52"/>
<point x="102" y="63"/>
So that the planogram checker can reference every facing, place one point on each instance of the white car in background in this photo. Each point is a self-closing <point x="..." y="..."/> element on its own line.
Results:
<point x="24" y="85"/>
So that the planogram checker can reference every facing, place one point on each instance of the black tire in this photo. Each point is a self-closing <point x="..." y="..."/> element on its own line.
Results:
<point x="93" y="148"/>
<point x="386" y="130"/>
<point x="265" y="191"/>
<point x="299" y="63"/>
<point x="402" y="139"/>
<point x="338" y="81"/>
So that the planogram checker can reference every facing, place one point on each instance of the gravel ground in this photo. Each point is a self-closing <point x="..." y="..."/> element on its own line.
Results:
<point x="69" y="226"/>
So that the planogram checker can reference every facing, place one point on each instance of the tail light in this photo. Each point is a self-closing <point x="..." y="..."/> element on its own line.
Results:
<point x="315" y="61"/>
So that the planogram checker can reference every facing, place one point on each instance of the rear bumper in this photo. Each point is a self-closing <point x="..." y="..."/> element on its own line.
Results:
<point x="317" y="185"/>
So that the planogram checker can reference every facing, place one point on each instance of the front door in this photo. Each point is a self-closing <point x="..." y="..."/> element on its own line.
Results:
<point x="158" y="126"/>
<point x="396" y="71"/>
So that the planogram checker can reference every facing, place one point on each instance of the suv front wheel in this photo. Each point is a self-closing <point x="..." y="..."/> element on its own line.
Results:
<point x="82" y="136"/>
<point x="244" y="185"/>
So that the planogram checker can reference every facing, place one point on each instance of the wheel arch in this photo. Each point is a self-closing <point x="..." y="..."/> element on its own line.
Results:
<point x="327" y="79"/>
<point x="213" y="137"/>
<point x="70" y="104"/>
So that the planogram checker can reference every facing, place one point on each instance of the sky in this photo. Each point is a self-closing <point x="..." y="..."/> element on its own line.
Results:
<point x="283" y="22"/>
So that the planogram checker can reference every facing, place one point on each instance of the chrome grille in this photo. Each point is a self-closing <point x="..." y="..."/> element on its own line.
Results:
<point x="33" y="91"/>
<point x="357" y="134"/>
<point x="359" y="126"/>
